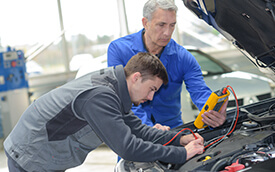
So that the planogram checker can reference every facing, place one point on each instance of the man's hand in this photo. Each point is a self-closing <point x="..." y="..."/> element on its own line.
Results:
<point x="213" y="118"/>
<point x="193" y="148"/>
<point x="184" y="140"/>
<point x="192" y="145"/>
<point x="161" y="127"/>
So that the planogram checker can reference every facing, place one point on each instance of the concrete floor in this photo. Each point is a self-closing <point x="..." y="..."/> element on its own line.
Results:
<point x="100" y="160"/>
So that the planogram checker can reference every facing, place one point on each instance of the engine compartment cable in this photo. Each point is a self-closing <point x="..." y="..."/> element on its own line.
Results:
<point x="235" y="119"/>
<point x="178" y="134"/>
<point x="220" y="139"/>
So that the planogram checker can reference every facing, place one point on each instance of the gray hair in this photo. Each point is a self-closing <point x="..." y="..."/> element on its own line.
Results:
<point x="152" y="5"/>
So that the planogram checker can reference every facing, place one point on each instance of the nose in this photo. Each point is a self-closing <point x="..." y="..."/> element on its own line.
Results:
<point x="150" y="95"/>
<point x="168" y="31"/>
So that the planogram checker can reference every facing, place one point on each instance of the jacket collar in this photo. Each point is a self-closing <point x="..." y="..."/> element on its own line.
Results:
<point x="123" y="89"/>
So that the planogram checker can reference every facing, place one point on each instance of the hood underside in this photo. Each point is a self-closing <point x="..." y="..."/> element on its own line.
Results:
<point x="248" y="24"/>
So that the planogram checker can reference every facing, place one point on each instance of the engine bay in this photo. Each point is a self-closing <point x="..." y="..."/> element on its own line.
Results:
<point x="249" y="147"/>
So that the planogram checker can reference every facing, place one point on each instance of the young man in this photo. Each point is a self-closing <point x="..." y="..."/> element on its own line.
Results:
<point x="60" y="128"/>
<point x="159" y="20"/>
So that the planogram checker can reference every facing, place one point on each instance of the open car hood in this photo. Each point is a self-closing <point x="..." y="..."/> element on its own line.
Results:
<point x="248" y="24"/>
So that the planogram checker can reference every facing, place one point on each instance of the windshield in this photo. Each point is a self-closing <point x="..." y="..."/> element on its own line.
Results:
<point x="208" y="66"/>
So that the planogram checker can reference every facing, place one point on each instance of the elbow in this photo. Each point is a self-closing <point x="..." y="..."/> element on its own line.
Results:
<point x="127" y="155"/>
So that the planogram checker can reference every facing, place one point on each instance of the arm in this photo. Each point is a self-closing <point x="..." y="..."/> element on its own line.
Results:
<point x="101" y="109"/>
<point x="114" y="56"/>
<point x="194" y="81"/>
<point x="148" y="133"/>
<point x="193" y="146"/>
<point x="200" y="92"/>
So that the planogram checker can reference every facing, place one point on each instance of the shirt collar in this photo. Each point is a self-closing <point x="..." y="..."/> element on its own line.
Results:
<point x="158" y="55"/>
<point x="139" y="46"/>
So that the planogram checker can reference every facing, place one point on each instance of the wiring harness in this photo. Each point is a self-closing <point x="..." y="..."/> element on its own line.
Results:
<point x="215" y="141"/>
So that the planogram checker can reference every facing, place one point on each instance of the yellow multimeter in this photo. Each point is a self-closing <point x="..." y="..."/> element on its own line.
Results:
<point x="214" y="102"/>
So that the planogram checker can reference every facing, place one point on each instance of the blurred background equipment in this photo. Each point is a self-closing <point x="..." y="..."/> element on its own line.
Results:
<point x="14" y="98"/>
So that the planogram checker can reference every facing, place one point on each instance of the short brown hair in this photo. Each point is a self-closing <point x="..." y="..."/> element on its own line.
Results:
<point x="148" y="65"/>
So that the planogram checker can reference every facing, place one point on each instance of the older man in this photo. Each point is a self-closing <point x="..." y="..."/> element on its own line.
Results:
<point x="159" y="21"/>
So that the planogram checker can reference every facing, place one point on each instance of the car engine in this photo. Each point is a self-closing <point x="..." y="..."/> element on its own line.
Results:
<point x="250" y="147"/>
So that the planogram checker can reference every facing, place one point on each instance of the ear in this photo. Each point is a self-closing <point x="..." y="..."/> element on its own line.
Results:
<point x="136" y="76"/>
<point x="144" y="22"/>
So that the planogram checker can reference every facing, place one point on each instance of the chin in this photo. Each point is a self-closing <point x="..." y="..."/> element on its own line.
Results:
<point x="136" y="104"/>
<point x="163" y="44"/>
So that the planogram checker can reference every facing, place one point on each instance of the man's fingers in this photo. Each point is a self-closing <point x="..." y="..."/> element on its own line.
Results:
<point x="213" y="118"/>
<point x="161" y="127"/>
<point x="200" y="138"/>
<point x="193" y="148"/>
<point x="223" y="108"/>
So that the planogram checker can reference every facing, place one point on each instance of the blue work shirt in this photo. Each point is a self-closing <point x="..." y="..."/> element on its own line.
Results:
<point x="181" y="65"/>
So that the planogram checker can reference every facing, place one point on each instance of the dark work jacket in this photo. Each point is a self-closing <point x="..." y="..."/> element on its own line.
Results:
<point x="60" y="128"/>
